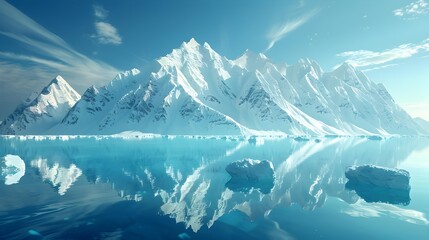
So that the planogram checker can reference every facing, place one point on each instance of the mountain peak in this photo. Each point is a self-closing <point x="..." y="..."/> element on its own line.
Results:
<point x="90" y="93"/>
<point x="250" y="59"/>
<point x="304" y="61"/>
<point x="192" y="44"/>
<point x="58" y="83"/>
<point x="345" y="69"/>
<point x="93" y="90"/>
<point x="346" y="66"/>
<point x="207" y="46"/>
<point x="306" y="66"/>
<point x="44" y="111"/>
<point x="125" y="74"/>
<point x="58" y="79"/>
<point x="250" y="54"/>
<point x="194" y="90"/>
<point x="59" y="88"/>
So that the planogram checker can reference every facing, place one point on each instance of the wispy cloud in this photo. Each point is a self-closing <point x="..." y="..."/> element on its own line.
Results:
<point x="412" y="10"/>
<point x="48" y="56"/>
<point x="279" y="31"/>
<point x="379" y="67"/>
<point x="105" y="33"/>
<point x="362" y="58"/>
<point x="100" y="12"/>
<point x="18" y="82"/>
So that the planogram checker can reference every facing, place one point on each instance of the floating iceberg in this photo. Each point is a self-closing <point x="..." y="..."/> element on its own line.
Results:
<point x="12" y="169"/>
<point x="379" y="176"/>
<point x="248" y="173"/>
<point x="375" y="138"/>
<point x="378" y="184"/>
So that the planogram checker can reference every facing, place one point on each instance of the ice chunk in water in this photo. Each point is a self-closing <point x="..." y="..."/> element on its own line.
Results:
<point x="379" y="176"/>
<point x="378" y="184"/>
<point x="248" y="173"/>
<point x="34" y="233"/>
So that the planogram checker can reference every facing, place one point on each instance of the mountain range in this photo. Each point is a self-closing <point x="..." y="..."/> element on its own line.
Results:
<point x="195" y="91"/>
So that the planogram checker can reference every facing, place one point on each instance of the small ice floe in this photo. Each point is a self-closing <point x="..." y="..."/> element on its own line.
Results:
<point x="33" y="232"/>
<point x="252" y="139"/>
<point x="379" y="184"/>
<point x="248" y="173"/>
<point x="12" y="169"/>
<point x="184" y="236"/>
<point x="375" y="138"/>
<point x="301" y="139"/>
<point x="258" y="140"/>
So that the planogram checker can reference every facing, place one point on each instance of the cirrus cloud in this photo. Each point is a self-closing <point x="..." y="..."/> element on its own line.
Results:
<point x="278" y="32"/>
<point x="48" y="55"/>
<point x="363" y="58"/>
<point x="100" y="12"/>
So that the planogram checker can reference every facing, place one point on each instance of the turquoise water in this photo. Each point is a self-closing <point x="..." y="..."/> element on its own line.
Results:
<point x="176" y="189"/>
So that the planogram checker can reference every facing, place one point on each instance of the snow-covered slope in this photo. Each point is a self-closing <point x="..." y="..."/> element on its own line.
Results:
<point x="194" y="90"/>
<point x="422" y="123"/>
<point x="41" y="111"/>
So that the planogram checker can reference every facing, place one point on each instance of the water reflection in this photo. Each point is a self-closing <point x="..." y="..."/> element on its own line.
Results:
<point x="61" y="178"/>
<point x="372" y="210"/>
<point x="372" y="194"/>
<point x="236" y="185"/>
<point x="248" y="175"/>
<point x="185" y="179"/>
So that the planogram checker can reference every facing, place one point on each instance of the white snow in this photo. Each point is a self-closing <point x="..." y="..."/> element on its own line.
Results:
<point x="195" y="91"/>
<point x="38" y="114"/>
<point x="13" y="169"/>
<point x="251" y="170"/>
<point x="136" y="135"/>
<point x="379" y="176"/>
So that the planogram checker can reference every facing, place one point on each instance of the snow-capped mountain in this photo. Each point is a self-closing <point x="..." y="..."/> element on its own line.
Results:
<point x="194" y="90"/>
<point x="42" y="111"/>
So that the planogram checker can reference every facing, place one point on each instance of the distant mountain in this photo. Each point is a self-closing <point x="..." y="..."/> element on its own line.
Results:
<point x="42" y="111"/>
<point x="422" y="123"/>
<point x="194" y="90"/>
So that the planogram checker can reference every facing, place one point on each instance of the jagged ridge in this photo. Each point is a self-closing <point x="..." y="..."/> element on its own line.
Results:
<point x="194" y="90"/>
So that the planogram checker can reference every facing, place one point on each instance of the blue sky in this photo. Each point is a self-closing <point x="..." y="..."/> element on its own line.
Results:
<point x="88" y="42"/>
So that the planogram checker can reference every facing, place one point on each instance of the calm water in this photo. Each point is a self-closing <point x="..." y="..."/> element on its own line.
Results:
<point x="177" y="189"/>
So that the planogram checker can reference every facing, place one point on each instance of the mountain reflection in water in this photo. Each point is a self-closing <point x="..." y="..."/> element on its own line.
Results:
<point x="185" y="179"/>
